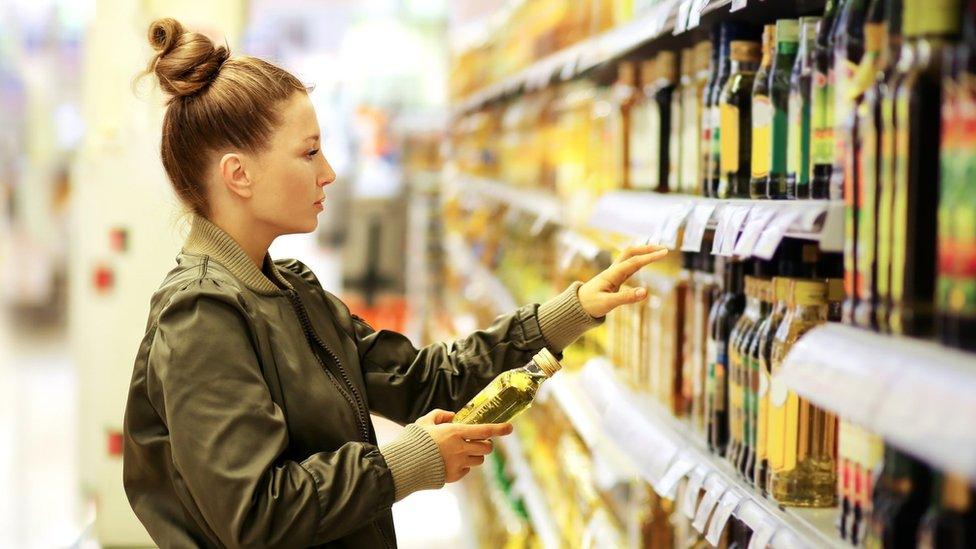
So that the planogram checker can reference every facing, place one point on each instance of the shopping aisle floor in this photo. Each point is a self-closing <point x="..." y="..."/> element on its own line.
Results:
<point x="40" y="501"/>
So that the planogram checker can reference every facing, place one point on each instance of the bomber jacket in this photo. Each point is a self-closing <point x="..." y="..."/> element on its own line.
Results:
<point x="247" y="421"/>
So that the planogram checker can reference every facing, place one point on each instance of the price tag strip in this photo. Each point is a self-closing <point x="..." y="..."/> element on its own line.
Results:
<point x="774" y="232"/>
<point x="676" y="218"/>
<point x="714" y="490"/>
<point x="681" y="19"/>
<point x="694" y="16"/>
<point x="695" y="228"/>
<point x="689" y="503"/>
<point x="730" y="500"/>
<point x="721" y="229"/>
<point x="667" y="486"/>
<point x="759" y="217"/>
<point x="736" y="218"/>
<point x="762" y="535"/>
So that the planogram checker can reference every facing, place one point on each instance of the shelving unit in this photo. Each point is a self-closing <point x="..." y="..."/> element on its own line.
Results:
<point x="526" y="486"/>
<point x="482" y="284"/>
<point x="669" y="16"/>
<point x="918" y="395"/>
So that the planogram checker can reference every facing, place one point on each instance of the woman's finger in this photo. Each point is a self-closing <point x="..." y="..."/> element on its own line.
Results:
<point x="474" y="461"/>
<point x="626" y="297"/>
<point x="637" y="250"/>
<point x="478" y="447"/>
<point x="618" y="273"/>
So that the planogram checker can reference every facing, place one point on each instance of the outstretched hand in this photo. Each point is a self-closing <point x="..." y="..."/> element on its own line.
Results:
<point x="601" y="294"/>
<point x="462" y="446"/>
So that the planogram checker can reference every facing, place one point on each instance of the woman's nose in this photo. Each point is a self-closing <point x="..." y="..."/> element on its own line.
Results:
<point x="328" y="174"/>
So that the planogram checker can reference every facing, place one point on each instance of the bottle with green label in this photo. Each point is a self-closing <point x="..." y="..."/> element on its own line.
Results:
<point x="787" y="36"/>
<point x="750" y="352"/>
<point x="735" y="120"/>
<point x="762" y="117"/>
<point x="930" y="26"/>
<point x="801" y="80"/>
<point x="709" y="116"/>
<point x="822" y="104"/>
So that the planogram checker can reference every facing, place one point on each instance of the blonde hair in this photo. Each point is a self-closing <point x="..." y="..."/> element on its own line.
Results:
<point x="216" y="102"/>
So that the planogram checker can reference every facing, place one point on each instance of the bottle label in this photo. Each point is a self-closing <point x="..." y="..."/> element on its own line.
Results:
<point x="962" y="297"/>
<point x="639" y="144"/>
<point x="900" y="205"/>
<point x="706" y="143"/>
<point x="716" y="145"/>
<point x="690" y="139"/>
<point x="779" y="140"/>
<point x="762" y="413"/>
<point x="762" y="127"/>
<point x="886" y="184"/>
<point x="776" y="426"/>
<point x="822" y="119"/>
<point x="729" y="132"/>
<point x="791" y="429"/>
<point x="867" y="165"/>
<point x="721" y="383"/>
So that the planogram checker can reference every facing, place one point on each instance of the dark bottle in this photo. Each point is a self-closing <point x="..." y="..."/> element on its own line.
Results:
<point x="736" y="376"/>
<point x="787" y="34"/>
<point x="901" y="496"/>
<point x="735" y="120"/>
<point x="664" y="90"/>
<point x="709" y="117"/>
<point x="801" y="80"/>
<point x="749" y="357"/>
<point x="822" y="103"/>
<point x="929" y="25"/>
<point x="868" y="153"/>
<point x="951" y="521"/>
<point x="728" y="32"/>
<point x="725" y="312"/>
<point x="762" y="117"/>
<point x="901" y="54"/>
<point x="956" y="285"/>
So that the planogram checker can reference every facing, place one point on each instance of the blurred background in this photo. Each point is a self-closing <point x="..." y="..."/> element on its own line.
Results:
<point x="89" y="225"/>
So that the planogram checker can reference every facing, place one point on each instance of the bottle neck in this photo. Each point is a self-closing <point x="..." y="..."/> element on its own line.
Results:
<point x="744" y="66"/>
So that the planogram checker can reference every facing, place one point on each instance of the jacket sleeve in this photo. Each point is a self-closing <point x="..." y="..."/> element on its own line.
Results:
<point x="404" y="382"/>
<point x="228" y="436"/>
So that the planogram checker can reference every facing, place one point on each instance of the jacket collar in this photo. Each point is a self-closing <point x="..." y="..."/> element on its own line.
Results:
<point x="208" y="239"/>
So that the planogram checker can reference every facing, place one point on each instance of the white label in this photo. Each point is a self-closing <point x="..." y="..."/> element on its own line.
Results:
<point x="738" y="5"/>
<point x="778" y="391"/>
<point x="666" y="486"/>
<point x="762" y="535"/>
<point x="715" y="489"/>
<point x="694" y="18"/>
<point x="736" y="218"/>
<point x="730" y="500"/>
<point x="695" y="228"/>
<point x="669" y="235"/>
<point x="759" y="217"/>
<point x="721" y="229"/>
<point x="689" y="502"/>
<point x="774" y="232"/>
<point x="681" y="21"/>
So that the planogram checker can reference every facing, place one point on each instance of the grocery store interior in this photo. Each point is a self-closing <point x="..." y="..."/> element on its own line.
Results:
<point x="801" y="372"/>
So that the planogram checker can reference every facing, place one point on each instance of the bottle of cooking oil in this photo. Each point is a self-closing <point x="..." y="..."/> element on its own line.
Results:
<point x="509" y="393"/>
<point x="803" y="472"/>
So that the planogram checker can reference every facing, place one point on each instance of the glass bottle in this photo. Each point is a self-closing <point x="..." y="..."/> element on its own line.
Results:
<point x="951" y="521"/>
<point x="641" y="144"/>
<point x="762" y="118"/>
<point x="787" y="34"/>
<point x="625" y="93"/>
<point x="749" y="377"/>
<point x="899" y="53"/>
<point x="725" y="312"/>
<point x="822" y="104"/>
<point x="691" y="118"/>
<point x="667" y="77"/>
<point x="735" y="120"/>
<point x="510" y="392"/>
<point x="736" y="372"/>
<point x="675" y="128"/>
<point x="729" y="31"/>
<point x="801" y="436"/>
<point x="709" y="116"/>
<point x="848" y="50"/>
<point x="706" y="292"/>
<point x="801" y="79"/>
<point x="782" y="292"/>
<point x="900" y="499"/>
<point x="932" y="24"/>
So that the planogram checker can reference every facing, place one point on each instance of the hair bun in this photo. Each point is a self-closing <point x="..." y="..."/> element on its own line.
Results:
<point x="185" y="62"/>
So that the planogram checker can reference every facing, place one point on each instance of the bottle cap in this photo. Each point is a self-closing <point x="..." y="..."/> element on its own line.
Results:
<point x="745" y="51"/>
<point x="547" y="362"/>
<point x="787" y="31"/>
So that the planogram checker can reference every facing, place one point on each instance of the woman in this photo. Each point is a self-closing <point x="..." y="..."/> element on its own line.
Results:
<point x="247" y="422"/>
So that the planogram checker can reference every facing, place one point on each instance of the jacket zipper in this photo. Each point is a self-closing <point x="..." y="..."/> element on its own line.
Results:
<point x="310" y="335"/>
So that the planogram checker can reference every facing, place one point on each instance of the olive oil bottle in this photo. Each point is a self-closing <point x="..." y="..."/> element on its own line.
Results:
<point x="729" y="31"/>
<point x="762" y="118"/>
<point x="798" y="155"/>
<point x="736" y="371"/>
<point x="510" y="393"/>
<point x="787" y="35"/>
<point x="749" y="354"/>
<point x="735" y="120"/>
<point x="691" y="118"/>
<point x="723" y="316"/>
<point x="822" y="104"/>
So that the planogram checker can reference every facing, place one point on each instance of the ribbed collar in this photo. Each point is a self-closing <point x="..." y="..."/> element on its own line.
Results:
<point x="208" y="239"/>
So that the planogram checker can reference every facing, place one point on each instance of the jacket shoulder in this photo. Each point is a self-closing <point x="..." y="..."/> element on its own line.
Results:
<point x="194" y="278"/>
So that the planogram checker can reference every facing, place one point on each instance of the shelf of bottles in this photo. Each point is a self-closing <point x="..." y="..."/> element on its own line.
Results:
<point x="812" y="340"/>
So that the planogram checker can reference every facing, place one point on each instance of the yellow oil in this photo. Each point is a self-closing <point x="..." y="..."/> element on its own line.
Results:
<point x="510" y="393"/>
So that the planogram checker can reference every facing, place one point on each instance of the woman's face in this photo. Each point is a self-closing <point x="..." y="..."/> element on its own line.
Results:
<point x="289" y="177"/>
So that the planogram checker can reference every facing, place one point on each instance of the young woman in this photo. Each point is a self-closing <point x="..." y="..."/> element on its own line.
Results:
<point x="247" y="422"/>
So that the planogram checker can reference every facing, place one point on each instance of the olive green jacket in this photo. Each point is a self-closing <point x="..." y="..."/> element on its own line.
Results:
<point x="247" y="421"/>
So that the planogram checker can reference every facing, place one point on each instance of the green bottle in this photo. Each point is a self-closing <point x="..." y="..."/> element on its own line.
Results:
<point x="801" y="80"/>
<point x="787" y="34"/>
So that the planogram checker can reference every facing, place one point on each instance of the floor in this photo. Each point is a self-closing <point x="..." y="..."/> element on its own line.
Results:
<point x="40" y="503"/>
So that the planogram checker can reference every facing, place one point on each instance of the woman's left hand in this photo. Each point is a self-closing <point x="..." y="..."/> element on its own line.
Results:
<point x="601" y="294"/>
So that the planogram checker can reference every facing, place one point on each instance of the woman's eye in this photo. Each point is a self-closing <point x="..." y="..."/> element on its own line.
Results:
<point x="312" y="153"/>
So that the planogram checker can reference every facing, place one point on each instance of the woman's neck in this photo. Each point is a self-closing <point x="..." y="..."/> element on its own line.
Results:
<point x="249" y="235"/>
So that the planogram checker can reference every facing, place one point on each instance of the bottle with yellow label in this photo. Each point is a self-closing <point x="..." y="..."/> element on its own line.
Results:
<point x="762" y="117"/>
<point x="749" y="353"/>
<point x="735" y="120"/>
<point x="802" y="446"/>
<point x="510" y="393"/>
<point x="738" y="368"/>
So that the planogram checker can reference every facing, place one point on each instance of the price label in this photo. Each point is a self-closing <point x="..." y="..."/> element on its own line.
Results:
<point x="669" y="482"/>
<point x="539" y="225"/>
<point x="738" y="5"/>
<point x="669" y="234"/>
<point x="694" y="16"/>
<point x="689" y="503"/>
<point x="762" y="535"/>
<point x="730" y="500"/>
<point x="773" y="234"/>
<point x="681" y="20"/>
<point x="759" y="217"/>
<point x="736" y="219"/>
<point x="714" y="490"/>
<point x="721" y="227"/>
<point x="695" y="228"/>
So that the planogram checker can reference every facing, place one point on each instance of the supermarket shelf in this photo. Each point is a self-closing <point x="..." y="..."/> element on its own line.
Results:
<point x="526" y="486"/>
<point x="546" y="206"/>
<point x="916" y="394"/>
<point x="482" y="283"/>
<point x="666" y="17"/>
<point x="763" y="223"/>
<point x="664" y="450"/>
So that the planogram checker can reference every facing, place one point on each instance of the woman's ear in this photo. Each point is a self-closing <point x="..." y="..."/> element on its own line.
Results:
<point x="234" y="177"/>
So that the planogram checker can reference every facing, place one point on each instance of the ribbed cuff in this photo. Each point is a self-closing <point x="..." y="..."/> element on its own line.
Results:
<point x="415" y="462"/>
<point x="562" y="319"/>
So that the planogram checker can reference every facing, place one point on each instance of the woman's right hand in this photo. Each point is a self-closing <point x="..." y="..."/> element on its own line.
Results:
<point x="462" y="446"/>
